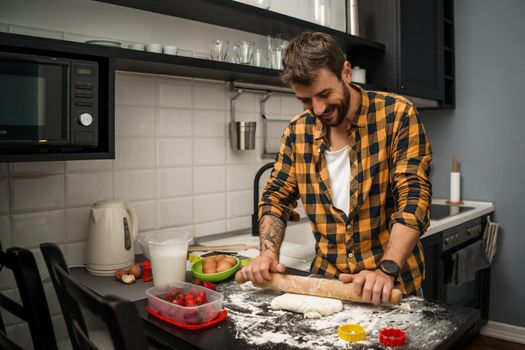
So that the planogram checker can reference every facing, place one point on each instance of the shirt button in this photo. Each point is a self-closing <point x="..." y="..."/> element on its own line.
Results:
<point x="348" y="226"/>
<point x="350" y="255"/>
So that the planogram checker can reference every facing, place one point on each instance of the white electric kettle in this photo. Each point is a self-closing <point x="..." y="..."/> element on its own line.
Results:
<point x="113" y="227"/>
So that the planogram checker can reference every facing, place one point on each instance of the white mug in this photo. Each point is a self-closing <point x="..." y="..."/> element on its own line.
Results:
<point x="170" y="49"/>
<point x="154" y="48"/>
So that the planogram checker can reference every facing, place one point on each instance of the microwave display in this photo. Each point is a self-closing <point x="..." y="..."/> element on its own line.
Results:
<point x="47" y="101"/>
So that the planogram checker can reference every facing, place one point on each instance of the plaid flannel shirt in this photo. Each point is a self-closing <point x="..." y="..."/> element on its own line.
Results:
<point x="390" y="159"/>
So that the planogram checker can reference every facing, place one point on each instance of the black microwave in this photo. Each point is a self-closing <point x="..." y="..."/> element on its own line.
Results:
<point x="48" y="103"/>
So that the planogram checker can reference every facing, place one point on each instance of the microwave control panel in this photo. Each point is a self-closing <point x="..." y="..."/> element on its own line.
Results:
<point x="84" y="103"/>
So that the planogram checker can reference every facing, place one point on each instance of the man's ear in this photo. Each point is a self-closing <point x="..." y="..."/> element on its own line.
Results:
<point x="346" y="74"/>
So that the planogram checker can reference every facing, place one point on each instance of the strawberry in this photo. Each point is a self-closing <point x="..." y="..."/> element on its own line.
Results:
<point x="197" y="282"/>
<point x="209" y="285"/>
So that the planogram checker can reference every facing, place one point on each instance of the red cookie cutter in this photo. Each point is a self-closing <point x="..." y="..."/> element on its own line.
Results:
<point x="392" y="337"/>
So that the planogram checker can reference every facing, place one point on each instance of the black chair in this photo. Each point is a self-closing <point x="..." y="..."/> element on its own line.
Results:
<point x="121" y="317"/>
<point x="33" y="308"/>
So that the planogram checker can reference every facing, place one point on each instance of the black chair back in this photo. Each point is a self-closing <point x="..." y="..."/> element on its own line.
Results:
<point x="33" y="308"/>
<point x="121" y="317"/>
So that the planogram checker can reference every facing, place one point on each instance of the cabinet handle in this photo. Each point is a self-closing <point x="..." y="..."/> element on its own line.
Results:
<point x="403" y="87"/>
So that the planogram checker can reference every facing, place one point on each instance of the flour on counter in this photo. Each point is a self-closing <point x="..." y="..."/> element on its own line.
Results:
<point x="427" y="324"/>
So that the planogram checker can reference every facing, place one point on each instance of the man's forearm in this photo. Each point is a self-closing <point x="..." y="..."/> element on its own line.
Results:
<point x="271" y="231"/>
<point x="402" y="241"/>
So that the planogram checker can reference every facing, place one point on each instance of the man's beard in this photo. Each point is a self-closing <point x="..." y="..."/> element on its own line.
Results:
<point x="342" y="108"/>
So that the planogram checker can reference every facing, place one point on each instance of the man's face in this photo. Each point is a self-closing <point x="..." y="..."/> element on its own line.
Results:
<point x="328" y="98"/>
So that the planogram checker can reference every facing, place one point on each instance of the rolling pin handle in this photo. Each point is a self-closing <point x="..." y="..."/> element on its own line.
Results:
<point x="239" y="278"/>
<point x="395" y="296"/>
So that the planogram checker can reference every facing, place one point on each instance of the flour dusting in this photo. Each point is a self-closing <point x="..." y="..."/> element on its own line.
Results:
<point x="427" y="324"/>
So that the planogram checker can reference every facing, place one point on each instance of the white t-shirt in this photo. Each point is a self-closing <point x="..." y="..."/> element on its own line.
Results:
<point x="338" y="163"/>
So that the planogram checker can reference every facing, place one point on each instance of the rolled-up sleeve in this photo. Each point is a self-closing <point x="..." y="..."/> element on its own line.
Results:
<point x="279" y="197"/>
<point x="411" y="156"/>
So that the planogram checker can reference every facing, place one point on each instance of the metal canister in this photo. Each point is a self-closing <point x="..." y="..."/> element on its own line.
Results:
<point x="352" y="17"/>
<point x="242" y="135"/>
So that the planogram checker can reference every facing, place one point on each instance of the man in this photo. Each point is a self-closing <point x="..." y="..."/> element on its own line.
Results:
<point x="359" y="161"/>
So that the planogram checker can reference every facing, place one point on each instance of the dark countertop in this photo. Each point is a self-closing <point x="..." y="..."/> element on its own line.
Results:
<point x="251" y="324"/>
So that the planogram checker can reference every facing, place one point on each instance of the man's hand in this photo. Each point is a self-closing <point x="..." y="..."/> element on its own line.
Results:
<point x="372" y="286"/>
<point x="258" y="271"/>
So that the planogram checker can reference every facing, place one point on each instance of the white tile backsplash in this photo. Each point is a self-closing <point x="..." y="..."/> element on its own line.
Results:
<point x="173" y="163"/>
<point x="37" y="168"/>
<point x="83" y="189"/>
<point x="29" y="230"/>
<point x="209" y="96"/>
<point x="37" y="193"/>
<point x="174" y="152"/>
<point x="209" y="179"/>
<point x="209" y="151"/>
<point x="209" y="123"/>
<point x="175" y="212"/>
<point x="240" y="177"/>
<point x="174" y="93"/>
<point x="135" y="153"/>
<point x="240" y="203"/>
<point x="135" y="184"/>
<point x="5" y="232"/>
<point x="210" y="207"/>
<point x="175" y="182"/>
<point x="77" y="223"/>
<point x="135" y="89"/>
<point x="135" y="121"/>
<point x="4" y="196"/>
<point x="147" y="214"/>
<point x="210" y="228"/>
<point x="75" y="166"/>
<point x="291" y="106"/>
<point x="174" y="122"/>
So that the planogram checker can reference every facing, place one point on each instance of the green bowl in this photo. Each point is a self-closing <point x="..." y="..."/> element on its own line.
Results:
<point x="196" y="270"/>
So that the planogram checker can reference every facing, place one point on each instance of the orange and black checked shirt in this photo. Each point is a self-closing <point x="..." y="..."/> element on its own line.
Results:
<point x="390" y="159"/>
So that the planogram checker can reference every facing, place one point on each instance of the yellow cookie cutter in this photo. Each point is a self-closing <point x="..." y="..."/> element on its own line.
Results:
<point x="351" y="332"/>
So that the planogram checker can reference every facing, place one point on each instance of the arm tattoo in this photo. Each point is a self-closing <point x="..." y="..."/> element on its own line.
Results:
<point x="271" y="234"/>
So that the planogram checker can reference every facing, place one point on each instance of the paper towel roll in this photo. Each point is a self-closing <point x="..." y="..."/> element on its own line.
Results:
<point x="455" y="187"/>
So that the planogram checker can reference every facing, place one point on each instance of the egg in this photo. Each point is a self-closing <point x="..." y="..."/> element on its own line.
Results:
<point x="118" y="274"/>
<point x="135" y="271"/>
<point x="219" y="258"/>
<point x="223" y="266"/>
<point x="231" y="260"/>
<point x="208" y="259"/>
<point x="209" y="269"/>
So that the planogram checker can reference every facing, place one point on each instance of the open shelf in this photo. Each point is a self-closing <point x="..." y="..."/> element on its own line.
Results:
<point x="236" y="15"/>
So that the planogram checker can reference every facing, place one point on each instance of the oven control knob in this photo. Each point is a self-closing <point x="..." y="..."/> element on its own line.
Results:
<point x="470" y="231"/>
<point x="447" y="241"/>
<point x="85" y="119"/>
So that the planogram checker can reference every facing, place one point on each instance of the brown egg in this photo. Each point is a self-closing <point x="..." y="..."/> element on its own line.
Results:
<point x="118" y="274"/>
<point x="208" y="259"/>
<point x="219" y="257"/>
<point x="231" y="260"/>
<point x="210" y="263"/>
<point x="209" y="269"/>
<point x="223" y="266"/>
<point x="135" y="271"/>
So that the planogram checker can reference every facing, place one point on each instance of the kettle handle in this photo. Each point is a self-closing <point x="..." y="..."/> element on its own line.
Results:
<point x="134" y="221"/>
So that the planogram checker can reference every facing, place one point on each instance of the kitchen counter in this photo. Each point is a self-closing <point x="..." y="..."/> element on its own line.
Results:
<point x="251" y="324"/>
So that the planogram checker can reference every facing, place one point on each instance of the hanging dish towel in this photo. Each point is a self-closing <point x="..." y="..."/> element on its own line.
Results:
<point x="468" y="261"/>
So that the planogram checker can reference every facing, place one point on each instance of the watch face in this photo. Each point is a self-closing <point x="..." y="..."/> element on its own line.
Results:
<point x="389" y="267"/>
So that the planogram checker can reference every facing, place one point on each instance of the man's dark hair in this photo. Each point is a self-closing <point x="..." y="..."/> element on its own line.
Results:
<point x="307" y="53"/>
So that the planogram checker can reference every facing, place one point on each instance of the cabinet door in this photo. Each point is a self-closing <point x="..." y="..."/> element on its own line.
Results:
<point x="421" y="49"/>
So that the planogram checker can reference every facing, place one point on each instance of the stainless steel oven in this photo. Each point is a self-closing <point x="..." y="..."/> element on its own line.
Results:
<point x="48" y="102"/>
<point x="440" y="250"/>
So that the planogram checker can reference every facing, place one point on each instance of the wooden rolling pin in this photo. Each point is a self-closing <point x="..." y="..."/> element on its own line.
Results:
<point x="328" y="288"/>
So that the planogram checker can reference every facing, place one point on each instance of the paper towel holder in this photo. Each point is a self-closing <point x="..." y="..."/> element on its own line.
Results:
<point x="455" y="169"/>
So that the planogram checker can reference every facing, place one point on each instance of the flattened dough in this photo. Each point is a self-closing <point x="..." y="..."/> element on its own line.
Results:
<point x="310" y="306"/>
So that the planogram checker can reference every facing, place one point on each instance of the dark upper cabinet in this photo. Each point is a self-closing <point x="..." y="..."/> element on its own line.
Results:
<point x="414" y="34"/>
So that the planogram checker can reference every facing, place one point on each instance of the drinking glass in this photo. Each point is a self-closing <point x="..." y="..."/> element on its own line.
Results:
<point x="218" y="49"/>
<point x="244" y="51"/>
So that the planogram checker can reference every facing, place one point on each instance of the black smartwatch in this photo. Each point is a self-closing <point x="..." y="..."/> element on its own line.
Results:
<point x="390" y="268"/>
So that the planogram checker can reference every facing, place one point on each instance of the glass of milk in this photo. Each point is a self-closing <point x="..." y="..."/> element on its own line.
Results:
<point x="168" y="259"/>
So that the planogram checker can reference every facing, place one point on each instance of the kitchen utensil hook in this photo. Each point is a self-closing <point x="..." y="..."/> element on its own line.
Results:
<point x="232" y="103"/>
